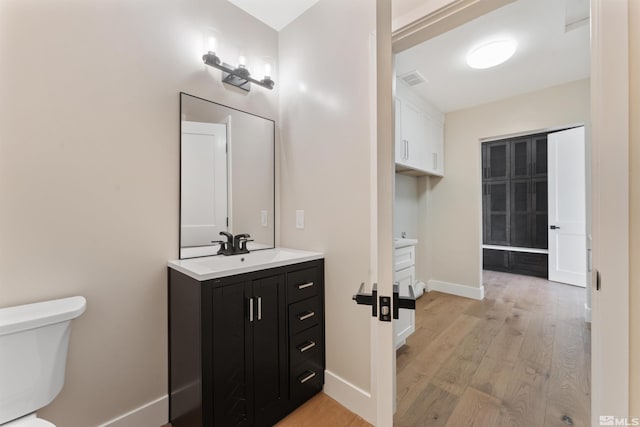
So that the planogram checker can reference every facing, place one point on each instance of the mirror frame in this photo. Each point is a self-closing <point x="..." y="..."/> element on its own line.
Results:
<point x="180" y="94"/>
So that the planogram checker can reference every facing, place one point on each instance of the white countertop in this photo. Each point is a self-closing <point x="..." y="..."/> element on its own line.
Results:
<point x="213" y="267"/>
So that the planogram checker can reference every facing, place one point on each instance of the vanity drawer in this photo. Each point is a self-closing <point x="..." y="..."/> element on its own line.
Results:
<point x="304" y="314"/>
<point x="302" y="284"/>
<point x="307" y="379"/>
<point x="306" y="345"/>
<point x="404" y="257"/>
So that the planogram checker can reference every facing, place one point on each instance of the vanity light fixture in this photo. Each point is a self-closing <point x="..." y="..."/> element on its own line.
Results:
<point x="490" y="54"/>
<point x="238" y="76"/>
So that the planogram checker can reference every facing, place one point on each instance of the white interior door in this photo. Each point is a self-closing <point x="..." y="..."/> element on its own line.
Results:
<point x="567" y="208"/>
<point x="204" y="183"/>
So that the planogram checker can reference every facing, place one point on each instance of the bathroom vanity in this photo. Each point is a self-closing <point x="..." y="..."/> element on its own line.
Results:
<point x="246" y="337"/>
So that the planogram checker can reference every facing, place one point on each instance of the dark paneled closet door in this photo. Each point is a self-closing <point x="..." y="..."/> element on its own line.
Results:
<point x="497" y="160"/>
<point x="520" y="212"/>
<point x="539" y="156"/>
<point x="539" y="233"/>
<point x="520" y="158"/>
<point x="497" y="219"/>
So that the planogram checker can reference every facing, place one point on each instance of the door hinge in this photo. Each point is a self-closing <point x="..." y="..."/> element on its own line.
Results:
<point x="598" y="280"/>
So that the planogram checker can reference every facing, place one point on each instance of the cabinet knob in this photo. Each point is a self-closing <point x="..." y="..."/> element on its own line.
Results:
<point x="305" y="285"/>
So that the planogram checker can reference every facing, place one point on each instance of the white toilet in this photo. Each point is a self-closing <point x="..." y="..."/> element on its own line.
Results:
<point x="33" y="353"/>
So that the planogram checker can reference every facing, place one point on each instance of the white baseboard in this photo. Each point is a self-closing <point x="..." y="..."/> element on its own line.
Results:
<point x="350" y="396"/>
<point x="152" y="414"/>
<point x="456" y="289"/>
<point x="587" y="313"/>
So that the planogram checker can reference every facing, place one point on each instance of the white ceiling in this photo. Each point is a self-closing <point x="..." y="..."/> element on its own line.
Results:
<point x="275" y="13"/>
<point x="546" y="54"/>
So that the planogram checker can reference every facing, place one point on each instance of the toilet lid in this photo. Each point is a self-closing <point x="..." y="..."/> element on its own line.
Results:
<point x="31" y="422"/>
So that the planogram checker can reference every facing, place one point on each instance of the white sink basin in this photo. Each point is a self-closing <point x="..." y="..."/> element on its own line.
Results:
<point x="401" y="243"/>
<point x="220" y="266"/>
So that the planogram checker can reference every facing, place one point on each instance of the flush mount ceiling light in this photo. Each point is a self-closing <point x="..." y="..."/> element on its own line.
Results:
<point x="490" y="54"/>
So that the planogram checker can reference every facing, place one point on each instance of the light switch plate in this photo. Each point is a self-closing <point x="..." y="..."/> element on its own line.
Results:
<point x="264" y="218"/>
<point x="300" y="219"/>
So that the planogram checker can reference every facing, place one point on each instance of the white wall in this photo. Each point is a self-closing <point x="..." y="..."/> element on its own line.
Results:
<point x="405" y="206"/>
<point x="325" y="166"/>
<point x="455" y="201"/>
<point x="89" y="157"/>
<point x="634" y="214"/>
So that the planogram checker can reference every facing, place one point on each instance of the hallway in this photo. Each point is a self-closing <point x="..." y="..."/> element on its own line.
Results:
<point x="520" y="357"/>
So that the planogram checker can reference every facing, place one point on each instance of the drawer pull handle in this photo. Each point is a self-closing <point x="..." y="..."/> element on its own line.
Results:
<point x="305" y="285"/>
<point x="307" y="377"/>
<point x="306" y="346"/>
<point x="307" y="315"/>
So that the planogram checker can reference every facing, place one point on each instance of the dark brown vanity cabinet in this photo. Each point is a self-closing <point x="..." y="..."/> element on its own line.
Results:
<point x="245" y="350"/>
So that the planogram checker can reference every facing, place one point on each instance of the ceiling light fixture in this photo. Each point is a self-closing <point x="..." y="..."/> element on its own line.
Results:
<point x="490" y="54"/>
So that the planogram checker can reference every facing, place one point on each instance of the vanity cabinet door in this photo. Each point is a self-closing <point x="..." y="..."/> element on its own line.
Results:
<point x="231" y="352"/>
<point x="269" y="349"/>
<point x="249" y="352"/>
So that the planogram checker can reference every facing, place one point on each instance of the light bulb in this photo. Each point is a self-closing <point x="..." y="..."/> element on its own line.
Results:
<point x="212" y="44"/>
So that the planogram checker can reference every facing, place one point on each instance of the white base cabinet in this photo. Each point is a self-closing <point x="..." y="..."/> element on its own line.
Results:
<point x="405" y="276"/>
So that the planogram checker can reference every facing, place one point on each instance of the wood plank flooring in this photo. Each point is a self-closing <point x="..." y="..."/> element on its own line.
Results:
<point x="520" y="357"/>
<point x="322" y="411"/>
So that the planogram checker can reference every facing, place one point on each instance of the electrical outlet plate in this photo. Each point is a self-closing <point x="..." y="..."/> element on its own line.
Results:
<point x="300" y="219"/>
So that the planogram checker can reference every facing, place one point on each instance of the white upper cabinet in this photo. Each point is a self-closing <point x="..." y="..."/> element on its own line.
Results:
<point x="419" y="135"/>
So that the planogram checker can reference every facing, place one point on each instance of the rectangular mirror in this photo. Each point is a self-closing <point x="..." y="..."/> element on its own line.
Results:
<point x="227" y="176"/>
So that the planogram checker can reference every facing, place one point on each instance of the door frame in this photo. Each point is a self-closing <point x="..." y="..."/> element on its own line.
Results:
<point x="610" y="187"/>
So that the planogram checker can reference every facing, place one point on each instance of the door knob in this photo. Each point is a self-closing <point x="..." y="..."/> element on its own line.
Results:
<point x="553" y="227"/>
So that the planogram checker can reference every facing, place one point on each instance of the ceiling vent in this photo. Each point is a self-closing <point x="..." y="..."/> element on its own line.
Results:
<point x="412" y="78"/>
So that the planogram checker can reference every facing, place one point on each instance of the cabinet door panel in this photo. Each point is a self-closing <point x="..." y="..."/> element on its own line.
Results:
<point x="497" y="160"/>
<point x="520" y="226"/>
<point x="405" y="325"/>
<point x="232" y="371"/>
<point x="539" y="233"/>
<point x="539" y="155"/>
<point x="414" y="131"/>
<point x="497" y="213"/>
<point x="521" y="158"/>
<point x="269" y="346"/>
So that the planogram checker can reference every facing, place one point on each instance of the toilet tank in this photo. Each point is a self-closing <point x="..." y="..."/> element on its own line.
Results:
<point x="33" y="352"/>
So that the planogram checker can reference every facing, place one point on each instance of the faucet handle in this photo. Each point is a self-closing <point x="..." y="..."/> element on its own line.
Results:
<point x="223" y="246"/>
<point x="243" y="244"/>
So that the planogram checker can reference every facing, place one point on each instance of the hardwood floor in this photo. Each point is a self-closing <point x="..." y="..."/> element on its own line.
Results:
<point x="520" y="357"/>
<point x="322" y="411"/>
